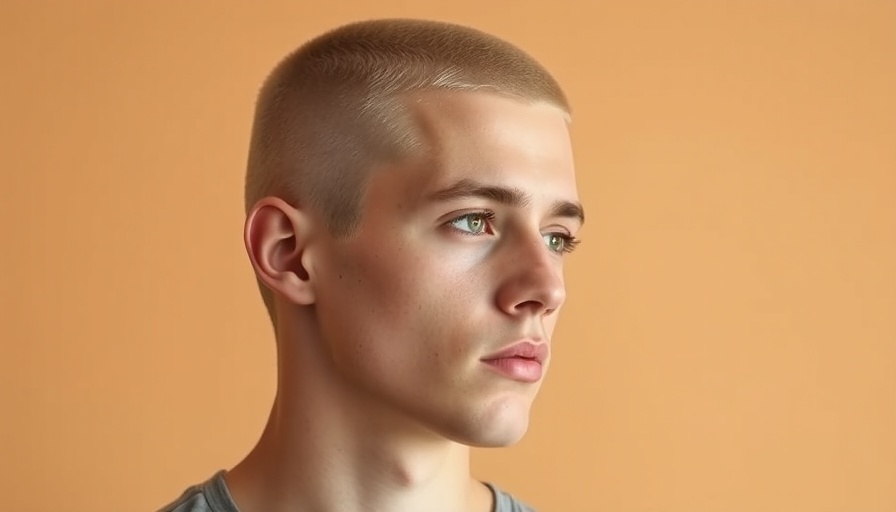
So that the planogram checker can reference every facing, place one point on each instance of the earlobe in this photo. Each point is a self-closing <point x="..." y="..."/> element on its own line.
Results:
<point x="276" y="236"/>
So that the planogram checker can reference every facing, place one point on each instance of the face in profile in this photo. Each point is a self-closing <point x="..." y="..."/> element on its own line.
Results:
<point x="441" y="306"/>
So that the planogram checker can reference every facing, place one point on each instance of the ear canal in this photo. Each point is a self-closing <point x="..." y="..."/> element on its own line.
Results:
<point x="301" y="271"/>
<point x="304" y="265"/>
<point x="290" y="249"/>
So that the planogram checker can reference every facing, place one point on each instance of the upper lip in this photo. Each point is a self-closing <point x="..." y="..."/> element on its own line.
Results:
<point x="527" y="349"/>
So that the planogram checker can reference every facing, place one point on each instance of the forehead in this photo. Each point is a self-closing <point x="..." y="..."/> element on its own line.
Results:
<point x="495" y="139"/>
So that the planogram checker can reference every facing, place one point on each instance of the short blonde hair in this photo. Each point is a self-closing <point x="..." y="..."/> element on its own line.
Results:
<point x="332" y="109"/>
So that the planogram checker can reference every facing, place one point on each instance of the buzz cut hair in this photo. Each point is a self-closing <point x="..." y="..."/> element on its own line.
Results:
<point x="333" y="109"/>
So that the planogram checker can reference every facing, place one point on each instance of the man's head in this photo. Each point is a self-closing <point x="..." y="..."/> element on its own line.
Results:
<point x="334" y="109"/>
<point x="424" y="196"/>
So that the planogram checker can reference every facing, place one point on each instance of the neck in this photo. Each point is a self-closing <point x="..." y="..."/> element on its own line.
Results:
<point x="329" y="447"/>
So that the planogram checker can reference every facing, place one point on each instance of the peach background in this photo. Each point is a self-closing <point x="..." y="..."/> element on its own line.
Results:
<point x="730" y="339"/>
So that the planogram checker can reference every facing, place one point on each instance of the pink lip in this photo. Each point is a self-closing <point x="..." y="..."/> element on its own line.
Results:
<point x="522" y="361"/>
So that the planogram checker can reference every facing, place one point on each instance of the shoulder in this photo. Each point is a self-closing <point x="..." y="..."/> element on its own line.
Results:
<point x="209" y="496"/>
<point x="506" y="502"/>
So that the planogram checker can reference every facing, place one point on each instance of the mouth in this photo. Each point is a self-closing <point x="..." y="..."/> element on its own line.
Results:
<point x="523" y="361"/>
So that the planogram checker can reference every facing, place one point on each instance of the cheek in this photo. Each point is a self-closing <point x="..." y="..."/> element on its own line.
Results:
<point x="413" y="289"/>
<point x="368" y="291"/>
<point x="402" y="277"/>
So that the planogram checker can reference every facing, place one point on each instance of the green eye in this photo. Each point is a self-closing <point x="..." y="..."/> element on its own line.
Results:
<point x="560" y="243"/>
<point x="476" y="224"/>
<point x="556" y="243"/>
<point x="472" y="223"/>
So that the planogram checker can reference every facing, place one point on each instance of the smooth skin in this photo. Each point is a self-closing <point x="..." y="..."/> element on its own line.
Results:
<point x="382" y="334"/>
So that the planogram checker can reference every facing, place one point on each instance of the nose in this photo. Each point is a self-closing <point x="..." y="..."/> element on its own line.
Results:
<point x="532" y="281"/>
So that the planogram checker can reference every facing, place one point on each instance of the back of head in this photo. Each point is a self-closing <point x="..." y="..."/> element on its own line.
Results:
<point x="332" y="110"/>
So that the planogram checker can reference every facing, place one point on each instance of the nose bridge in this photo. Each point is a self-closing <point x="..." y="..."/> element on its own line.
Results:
<point x="532" y="277"/>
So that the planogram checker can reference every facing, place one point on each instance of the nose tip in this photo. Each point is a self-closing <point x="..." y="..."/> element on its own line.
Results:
<point x="554" y="299"/>
<point x="533" y="285"/>
<point x="544" y="300"/>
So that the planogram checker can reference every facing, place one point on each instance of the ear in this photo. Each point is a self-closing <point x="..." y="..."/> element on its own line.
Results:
<point x="276" y="237"/>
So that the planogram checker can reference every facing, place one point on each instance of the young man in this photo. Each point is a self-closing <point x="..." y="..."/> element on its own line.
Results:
<point x="410" y="196"/>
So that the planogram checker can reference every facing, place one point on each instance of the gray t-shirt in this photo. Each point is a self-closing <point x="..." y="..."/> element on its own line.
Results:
<point x="213" y="496"/>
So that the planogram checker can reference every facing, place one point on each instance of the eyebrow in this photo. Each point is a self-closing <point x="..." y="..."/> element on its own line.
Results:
<point x="505" y="195"/>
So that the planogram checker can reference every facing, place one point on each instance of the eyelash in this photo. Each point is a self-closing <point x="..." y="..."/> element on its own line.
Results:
<point x="569" y="242"/>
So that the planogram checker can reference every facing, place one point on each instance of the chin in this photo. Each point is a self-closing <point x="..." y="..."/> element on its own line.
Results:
<point x="500" y="425"/>
<point x="498" y="439"/>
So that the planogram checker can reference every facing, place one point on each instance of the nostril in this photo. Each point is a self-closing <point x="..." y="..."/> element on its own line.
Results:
<point x="534" y="307"/>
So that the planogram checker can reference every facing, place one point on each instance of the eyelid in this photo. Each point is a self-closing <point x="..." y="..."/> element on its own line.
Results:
<point x="560" y="230"/>
<point x="463" y="212"/>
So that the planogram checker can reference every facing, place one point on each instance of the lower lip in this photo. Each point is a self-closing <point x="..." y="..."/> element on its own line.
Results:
<point x="517" y="368"/>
